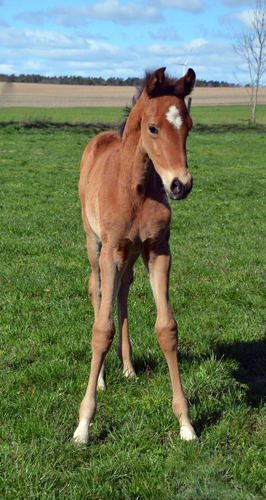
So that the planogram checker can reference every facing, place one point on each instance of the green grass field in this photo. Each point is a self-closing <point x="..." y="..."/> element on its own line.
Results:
<point x="62" y="115"/>
<point x="217" y="293"/>
<point x="201" y="115"/>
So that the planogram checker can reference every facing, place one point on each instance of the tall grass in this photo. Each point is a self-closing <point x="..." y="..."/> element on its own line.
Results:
<point x="217" y="294"/>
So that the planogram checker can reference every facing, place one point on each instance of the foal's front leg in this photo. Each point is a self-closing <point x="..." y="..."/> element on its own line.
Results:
<point x="102" y="336"/>
<point x="158" y="263"/>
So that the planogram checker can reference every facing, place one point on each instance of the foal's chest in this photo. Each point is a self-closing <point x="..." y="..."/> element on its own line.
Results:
<point x="152" y="221"/>
<point x="133" y="221"/>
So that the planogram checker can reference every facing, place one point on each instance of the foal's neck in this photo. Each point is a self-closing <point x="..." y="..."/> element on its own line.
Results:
<point x="136" y="165"/>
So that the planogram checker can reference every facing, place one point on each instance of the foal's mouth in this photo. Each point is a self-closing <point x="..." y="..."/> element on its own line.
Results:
<point x="178" y="190"/>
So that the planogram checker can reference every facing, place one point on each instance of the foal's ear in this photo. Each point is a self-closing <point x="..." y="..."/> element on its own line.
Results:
<point x="155" y="82"/>
<point x="185" y="85"/>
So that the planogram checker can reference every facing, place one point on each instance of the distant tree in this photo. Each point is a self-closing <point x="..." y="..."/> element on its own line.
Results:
<point x="132" y="81"/>
<point x="92" y="80"/>
<point x="250" y="45"/>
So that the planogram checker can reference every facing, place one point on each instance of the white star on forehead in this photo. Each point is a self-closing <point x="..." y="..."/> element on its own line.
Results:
<point x="174" y="117"/>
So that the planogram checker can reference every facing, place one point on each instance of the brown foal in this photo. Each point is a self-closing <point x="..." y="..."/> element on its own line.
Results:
<point x="124" y="183"/>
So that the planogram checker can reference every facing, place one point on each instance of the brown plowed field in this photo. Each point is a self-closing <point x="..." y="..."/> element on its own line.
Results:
<point x="65" y="96"/>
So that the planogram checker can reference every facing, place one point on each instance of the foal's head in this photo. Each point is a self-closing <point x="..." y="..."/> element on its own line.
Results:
<point x="165" y="123"/>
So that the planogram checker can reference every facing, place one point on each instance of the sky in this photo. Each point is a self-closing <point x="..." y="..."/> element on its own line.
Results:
<point x="122" y="38"/>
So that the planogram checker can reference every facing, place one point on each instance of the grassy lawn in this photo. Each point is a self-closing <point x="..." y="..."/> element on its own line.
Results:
<point x="217" y="295"/>
<point x="61" y="115"/>
<point x="207" y="115"/>
<point x="213" y="115"/>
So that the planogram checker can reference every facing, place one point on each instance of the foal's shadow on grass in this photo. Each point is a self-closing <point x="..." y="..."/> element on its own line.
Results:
<point x="145" y="365"/>
<point x="250" y="358"/>
<point x="103" y="435"/>
<point x="251" y="371"/>
<point x="153" y="364"/>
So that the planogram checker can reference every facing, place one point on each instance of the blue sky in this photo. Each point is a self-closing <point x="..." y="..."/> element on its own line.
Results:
<point x="122" y="37"/>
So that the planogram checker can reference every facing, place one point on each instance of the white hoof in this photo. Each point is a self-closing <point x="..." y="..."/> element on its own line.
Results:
<point x="81" y="434"/>
<point x="129" y="372"/>
<point x="101" y="384"/>
<point x="187" y="433"/>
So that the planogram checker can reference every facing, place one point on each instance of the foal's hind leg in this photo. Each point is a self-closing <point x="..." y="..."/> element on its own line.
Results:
<point x="124" y="350"/>
<point x="158" y="263"/>
<point x="95" y="294"/>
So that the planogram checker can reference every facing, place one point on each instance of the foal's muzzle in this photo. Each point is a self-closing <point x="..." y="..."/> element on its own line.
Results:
<point x="178" y="190"/>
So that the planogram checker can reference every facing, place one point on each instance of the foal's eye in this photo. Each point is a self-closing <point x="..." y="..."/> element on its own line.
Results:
<point x="153" y="130"/>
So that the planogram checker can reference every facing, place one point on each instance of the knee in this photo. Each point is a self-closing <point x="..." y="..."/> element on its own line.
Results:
<point x="94" y="295"/>
<point x="167" y="335"/>
<point x="102" y="336"/>
<point x="94" y="287"/>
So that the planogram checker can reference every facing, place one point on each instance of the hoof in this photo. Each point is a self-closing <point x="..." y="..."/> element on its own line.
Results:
<point x="187" y="433"/>
<point x="129" y="372"/>
<point x="101" y="384"/>
<point x="81" y="434"/>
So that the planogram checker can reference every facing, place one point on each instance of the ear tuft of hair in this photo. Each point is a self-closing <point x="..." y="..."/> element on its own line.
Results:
<point x="155" y="84"/>
<point x="184" y="85"/>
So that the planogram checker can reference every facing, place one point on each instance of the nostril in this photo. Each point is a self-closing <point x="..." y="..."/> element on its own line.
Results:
<point x="175" y="186"/>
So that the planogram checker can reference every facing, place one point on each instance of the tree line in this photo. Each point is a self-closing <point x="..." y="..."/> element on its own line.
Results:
<point x="80" y="80"/>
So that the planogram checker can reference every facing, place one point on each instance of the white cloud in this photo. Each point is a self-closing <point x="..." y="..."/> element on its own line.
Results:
<point x="35" y="18"/>
<point x="37" y="51"/>
<point x="96" y="36"/>
<point x="68" y="16"/>
<point x="48" y="52"/>
<point x="245" y="17"/>
<point x="124" y="13"/>
<point x="6" y="69"/>
<point x="30" y="40"/>
<point x="237" y="19"/>
<point x="172" y="54"/>
<point x="194" y="6"/>
<point x="107" y="10"/>
<point x="236" y="3"/>
<point x="210" y="60"/>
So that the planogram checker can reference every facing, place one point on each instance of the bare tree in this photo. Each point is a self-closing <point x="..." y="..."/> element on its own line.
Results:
<point x="250" y="44"/>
